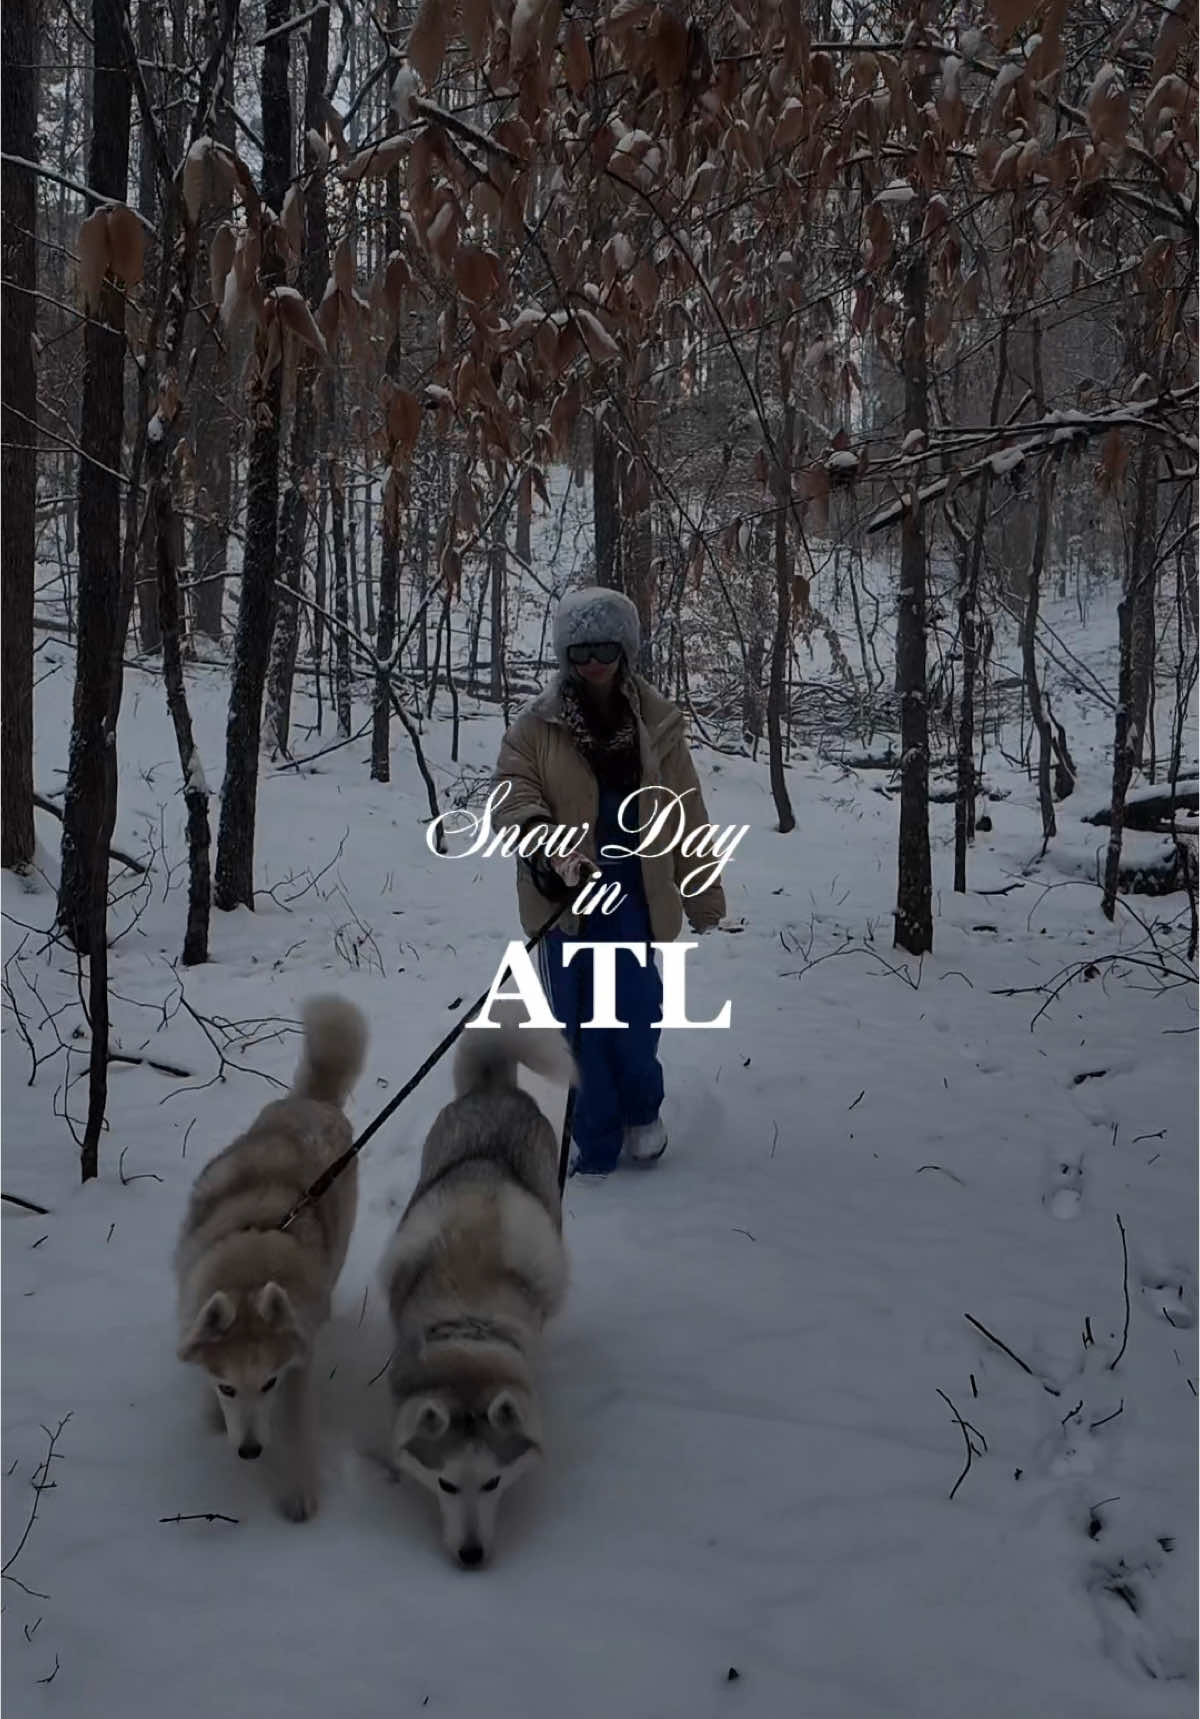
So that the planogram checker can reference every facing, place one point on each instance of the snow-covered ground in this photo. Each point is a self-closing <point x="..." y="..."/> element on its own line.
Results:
<point x="746" y="1505"/>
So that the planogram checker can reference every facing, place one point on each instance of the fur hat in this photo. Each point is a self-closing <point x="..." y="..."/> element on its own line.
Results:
<point x="596" y="616"/>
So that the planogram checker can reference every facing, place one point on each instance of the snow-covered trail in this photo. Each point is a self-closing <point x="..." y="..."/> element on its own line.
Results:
<point x="749" y="1461"/>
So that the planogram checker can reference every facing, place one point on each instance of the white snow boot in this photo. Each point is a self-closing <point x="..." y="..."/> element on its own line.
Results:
<point x="645" y="1143"/>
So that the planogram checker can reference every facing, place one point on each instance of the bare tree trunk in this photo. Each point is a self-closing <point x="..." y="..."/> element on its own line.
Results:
<point x="497" y="566"/>
<point x="524" y="518"/>
<point x="605" y="511"/>
<point x="1041" y="537"/>
<point x="211" y="418"/>
<point x="966" y="786"/>
<point x="1041" y="721"/>
<point x="18" y="471"/>
<point x="389" y="563"/>
<point x="149" y="633"/>
<point x="914" y="894"/>
<point x="256" y="610"/>
<point x="195" y="788"/>
<point x="776" y="691"/>
<point x="341" y="588"/>
<point x="314" y="271"/>
<point x="90" y="810"/>
<point x="1136" y="640"/>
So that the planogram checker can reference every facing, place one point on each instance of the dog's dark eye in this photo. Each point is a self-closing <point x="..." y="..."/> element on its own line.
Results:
<point x="490" y="1485"/>
<point x="227" y="1390"/>
<point x="269" y="1386"/>
<point x="446" y="1486"/>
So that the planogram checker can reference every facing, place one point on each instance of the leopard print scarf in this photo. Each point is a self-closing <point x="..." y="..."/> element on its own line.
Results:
<point x="610" y="745"/>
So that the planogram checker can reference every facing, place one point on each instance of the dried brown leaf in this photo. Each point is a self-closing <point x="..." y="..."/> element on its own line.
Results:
<point x="404" y="422"/>
<point x="524" y="32"/>
<point x="220" y="260"/>
<point x="292" y="219"/>
<point x="1114" y="458"/>
<point x="477" y="26"/>
<point x="293" y="313"/>
<point x="477" y="274"/>
<point x="126" y="245"/>
<point x="667" y="37"/>
<point x="374" y="162"/>
<point x="427" y="39"/>
<point x="92" y="248"/>
<point x="1009" y="16"/>
<point x="343" y="266"/>
<point x="577" y="61"/>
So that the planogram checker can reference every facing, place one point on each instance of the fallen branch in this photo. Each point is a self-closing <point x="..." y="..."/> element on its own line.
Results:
<point x="46" y="805"/>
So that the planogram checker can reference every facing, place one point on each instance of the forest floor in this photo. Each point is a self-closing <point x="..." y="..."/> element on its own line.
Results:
<point x="756" y="1395"/>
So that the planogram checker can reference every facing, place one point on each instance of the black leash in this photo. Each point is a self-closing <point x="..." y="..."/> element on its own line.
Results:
<point x="332" y="1171"/>
<point x="568" y="1118"/>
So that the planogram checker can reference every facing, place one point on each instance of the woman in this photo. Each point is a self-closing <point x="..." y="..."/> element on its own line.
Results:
<point x="597" y="735"/>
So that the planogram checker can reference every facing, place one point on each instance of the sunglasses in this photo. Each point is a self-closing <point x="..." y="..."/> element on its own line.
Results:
<point x="577" y="655"/>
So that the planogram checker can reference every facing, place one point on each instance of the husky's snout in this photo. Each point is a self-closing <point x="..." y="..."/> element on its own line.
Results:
<point x="249" y="1449"/>
<point x="472" y="1555"/>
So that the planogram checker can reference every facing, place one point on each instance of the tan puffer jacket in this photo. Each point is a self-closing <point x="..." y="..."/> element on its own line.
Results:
<point x="549" y="781"/>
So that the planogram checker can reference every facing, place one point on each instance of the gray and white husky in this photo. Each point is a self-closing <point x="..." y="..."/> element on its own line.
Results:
<point x="251" y="1296"/>
<point x="474" y="1270"/>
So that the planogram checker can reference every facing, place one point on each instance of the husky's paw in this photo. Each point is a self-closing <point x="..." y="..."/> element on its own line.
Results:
<point x="298" y="1504"/>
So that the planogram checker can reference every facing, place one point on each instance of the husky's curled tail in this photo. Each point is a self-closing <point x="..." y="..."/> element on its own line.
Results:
<point x="489" y="1056"/>
<point x="335" y="1043"/>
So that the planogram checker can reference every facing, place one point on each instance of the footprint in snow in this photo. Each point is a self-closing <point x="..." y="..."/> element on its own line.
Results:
<point x="1144" y="1619"/>
<point x="1062" y="1193"/>
<point x="1172" y="1295"/>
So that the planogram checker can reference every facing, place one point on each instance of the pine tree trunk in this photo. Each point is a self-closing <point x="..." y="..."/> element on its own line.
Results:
<point x="776" y="689"/>
<point x="256" y="609"/>
<point x="914" y="894"/>
<point x="314" y="271"/>
<point x="18" y="459"/>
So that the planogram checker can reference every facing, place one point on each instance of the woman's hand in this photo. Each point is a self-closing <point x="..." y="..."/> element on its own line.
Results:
<point x="571" y="868"/>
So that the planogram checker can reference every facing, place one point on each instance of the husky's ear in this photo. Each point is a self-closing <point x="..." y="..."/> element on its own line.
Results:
<point x="508" y="1413"/>
<point x="423" y="1418"/>
<point x="513" y="1421"/>
<point x="213" y="1321"/>
<point x="274" y="1307"/>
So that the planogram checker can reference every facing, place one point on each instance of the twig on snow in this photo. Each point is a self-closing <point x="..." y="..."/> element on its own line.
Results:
<point x="202" y="1516"/>
<point x="967" y="1429"/>
<point x="992" y="1338"/>
<point x="1125" y="1286"/>
<point x="26" y="1205"/>
<point x="39" y="1486"/>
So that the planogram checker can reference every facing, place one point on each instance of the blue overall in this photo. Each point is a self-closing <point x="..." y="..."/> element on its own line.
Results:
<point x="621" y="1081"/>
